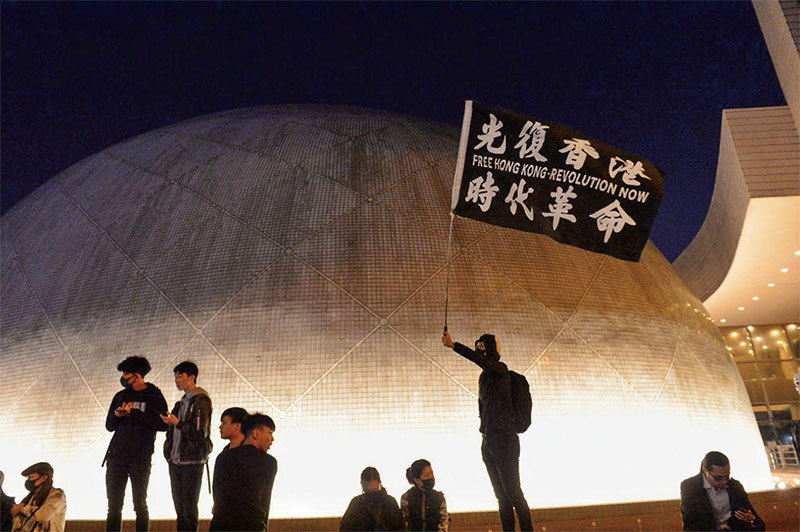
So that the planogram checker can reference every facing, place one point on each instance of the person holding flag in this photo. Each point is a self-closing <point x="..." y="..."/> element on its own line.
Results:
<point x="500" y="443"/>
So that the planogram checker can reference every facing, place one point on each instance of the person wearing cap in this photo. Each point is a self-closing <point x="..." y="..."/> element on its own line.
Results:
<point x="500" y="442"/>
<point x="44" y="509"/>
<point x="134" y="417"/>
<point x="6" y="503"/>
<point x="374" y="509"/>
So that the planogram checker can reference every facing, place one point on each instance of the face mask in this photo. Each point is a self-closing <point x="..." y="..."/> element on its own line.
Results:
<point x="124" y="382"/>
<point x="30" y="485"/>
<point x="428" y="484"/>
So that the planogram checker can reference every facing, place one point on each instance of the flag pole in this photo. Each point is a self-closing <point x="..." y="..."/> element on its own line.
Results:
<point x="447" y="275"/>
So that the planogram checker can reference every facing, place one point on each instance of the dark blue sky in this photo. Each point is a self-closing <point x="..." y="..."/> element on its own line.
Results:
<point x="652" y="78"/>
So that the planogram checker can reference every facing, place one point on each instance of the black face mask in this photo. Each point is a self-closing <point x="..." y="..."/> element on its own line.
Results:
<point x="30" y="485"/>
<point x="124" y="382"/>
<point x="428" y="484"/>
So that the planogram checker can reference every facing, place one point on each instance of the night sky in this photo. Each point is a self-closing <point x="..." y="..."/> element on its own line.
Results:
<point x="651" y="78"/>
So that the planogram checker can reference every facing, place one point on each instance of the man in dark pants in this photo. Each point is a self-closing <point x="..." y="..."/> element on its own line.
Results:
<point x="500" y="446"/>
<point x="187" y="445"/>
<point x="243" y="478"/>
<point x="712" y="500"/>
<point x="134" y="418"/>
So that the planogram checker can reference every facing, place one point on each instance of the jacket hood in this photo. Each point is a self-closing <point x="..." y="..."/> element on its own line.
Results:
<point x="490" y="341"/>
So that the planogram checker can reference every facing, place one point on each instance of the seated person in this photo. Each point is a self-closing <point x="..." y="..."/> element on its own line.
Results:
<point x="423" y="507"/>
<point x="712" y="500"/>
<point x="374" y="509"/>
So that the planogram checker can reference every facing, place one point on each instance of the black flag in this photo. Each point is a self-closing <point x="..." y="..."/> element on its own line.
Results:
<point x="539" y="176"/>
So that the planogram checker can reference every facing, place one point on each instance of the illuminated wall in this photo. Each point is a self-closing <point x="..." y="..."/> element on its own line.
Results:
<point x="297" y="254"/>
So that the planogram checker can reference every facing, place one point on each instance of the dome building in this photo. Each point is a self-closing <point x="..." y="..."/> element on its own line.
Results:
<point x="297" y="254"/>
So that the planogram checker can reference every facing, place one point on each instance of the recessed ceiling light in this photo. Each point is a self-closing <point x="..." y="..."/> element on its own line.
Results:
<point x="763" y="347"/>
<point x="774" y="332"/>
<point x="791" y="326"/>
<point x="797" y="253"/>
<point x="750" y="351"/>
<point x="729" y="348"/>
<point x="784" y="270"/>
<point x="734" y="334"/>
<point x="780" y="342"/>
<point x="741" y="308"/>
<point x="723" y="320"/>
<point x="771" y="285"/>
<point x="758" y="338"/>
<point x="755" y="298"/>
<point x="742" y="344"/>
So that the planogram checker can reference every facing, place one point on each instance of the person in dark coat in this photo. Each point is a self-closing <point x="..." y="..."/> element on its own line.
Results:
<point x="423" y="508"/>
<point x="373" y="510"/>
<point x="712" y="500"/>
<point x="500" y="443"/>
<point x="243" y="479"/>
<point x="134" y="417"/>
<point x="6" y="503"/>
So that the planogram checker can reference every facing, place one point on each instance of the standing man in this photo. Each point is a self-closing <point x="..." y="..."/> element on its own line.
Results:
<point x="712" y="500"/>
<point x="230" y="427"/>
<point x="500" y="445"/>
<point x="243" y="478"/>
<point x="134" y="418"/>
<point x="187" y="445"/>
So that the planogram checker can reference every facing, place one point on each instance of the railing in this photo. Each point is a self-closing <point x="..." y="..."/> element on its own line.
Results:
<point x="781" y="456"/>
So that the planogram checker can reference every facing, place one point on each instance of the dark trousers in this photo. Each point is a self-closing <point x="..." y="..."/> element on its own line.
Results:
<point x="117" y="474"/>
<point x="186" y="481"/>
<point x="500" y="452"/>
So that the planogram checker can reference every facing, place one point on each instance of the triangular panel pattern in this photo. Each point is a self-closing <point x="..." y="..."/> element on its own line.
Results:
<point x="198" y="256"/>
<point x="379" y="266"/>
<point x="422" y="196"/>
<point x="171" y="155"/>
<point x="294" y="143"/>
<point x="480" y="300"/>
<point x="225" y="388"/>
<point x="284" y="201"/>
<point x="25" y="333"/>
<point x="570" y="378"/>
<point x="365" y="165"/>
<point x="287" y="329"/>
<point x="408" y="394"/>
<point x="619" y="321"/>
<point x="352" y="122"/>
<point x="552" y="273"/>
<point x="136" y="321"/>
<point x="60" y="406"/>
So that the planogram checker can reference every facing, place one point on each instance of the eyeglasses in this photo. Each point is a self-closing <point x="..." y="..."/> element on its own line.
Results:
<point x="719" y="478"/>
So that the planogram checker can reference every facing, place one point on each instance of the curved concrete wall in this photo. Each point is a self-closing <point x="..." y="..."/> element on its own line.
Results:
<point x="298" y="255"/>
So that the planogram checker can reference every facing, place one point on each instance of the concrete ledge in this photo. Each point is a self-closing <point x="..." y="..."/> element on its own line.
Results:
<point x="779" y="509"/>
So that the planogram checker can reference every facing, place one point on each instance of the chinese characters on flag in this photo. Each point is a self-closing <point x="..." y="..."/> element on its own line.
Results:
<point x="553" y="180"/>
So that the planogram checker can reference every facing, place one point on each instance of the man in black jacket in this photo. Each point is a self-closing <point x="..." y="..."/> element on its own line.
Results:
<point x="134" y="418"/>
<point x="188" y="445"/>
<point x="500" y="445"/>
<point x="243" y="478"/>
<point x="712" y="500"/>
<point x="374" y="509"/>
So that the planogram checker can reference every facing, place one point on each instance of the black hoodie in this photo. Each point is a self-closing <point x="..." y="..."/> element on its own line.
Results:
<point x="134" y="434"/>
<point x="374" y="511"/>
<point x="495" y="403"/>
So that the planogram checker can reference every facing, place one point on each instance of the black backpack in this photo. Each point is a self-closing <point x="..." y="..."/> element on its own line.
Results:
<point x="522" y="401"/>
